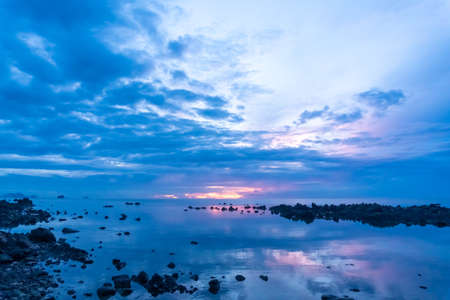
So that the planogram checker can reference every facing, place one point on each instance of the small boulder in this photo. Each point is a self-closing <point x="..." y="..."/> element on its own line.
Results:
<point x="264" y="277"/>
<point x="240" y="277"/>
<point x="105" y="292"/>
<point x="171" y="265"/>
<point x="142" y="278"/>
<point x="69" y="230"/>
<point x="42" y="235"/>
<point x="121" y="282"/>
<point x="118" y="264"/>
<point x="214" y="286"/>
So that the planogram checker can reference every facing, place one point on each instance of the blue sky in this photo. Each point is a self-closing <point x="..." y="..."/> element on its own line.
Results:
<point x="225" y="99"/>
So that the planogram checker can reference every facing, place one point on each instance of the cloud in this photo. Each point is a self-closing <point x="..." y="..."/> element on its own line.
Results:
<point x="382" y="99"/>
<point x="327" y="114"/>
<point x="308" y="115"/>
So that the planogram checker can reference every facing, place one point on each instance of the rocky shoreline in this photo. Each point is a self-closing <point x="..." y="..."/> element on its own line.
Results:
<point x="373" y="214"/>
<point x="25" y="258"/>
<point x="20" y="212"/>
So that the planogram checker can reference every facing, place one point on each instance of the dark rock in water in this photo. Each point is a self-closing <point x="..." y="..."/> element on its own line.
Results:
<point x="71" y="292"/>
<point x="121" y="282"/>
<point x="125" y="292"/>
<point x="264" y="277"/>
<point x="118" y="264"/>
<point x="123" y="217"/>
<point x="42" y="235"/>
<point x="102" y="228"/>
<point x="60" y="197"/>
<point x="331" y="297"/>
<point x="194" y="277"/>
<point x="161" y="284"/>
<point x="69" y="230"/>
<point x="372" y="214"/>
<point x="105" y="292"/>
<point x="240" y="277"/>
<point x="171" y="265"/>
<point x="142" y="278"/>
<point x="108" y="206"/>
<point x="423" y="287"/>
<point x="194" y="243"/>
<point x="214" y="286"/>
<point x="20" y="212"/>
<point x="355" y="290"/>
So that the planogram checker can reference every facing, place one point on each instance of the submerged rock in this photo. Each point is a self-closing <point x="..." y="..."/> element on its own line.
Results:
<point x="42" y="235"/>
<point x="118" y="264"/>
<point x="121" y="282"/>
<point x="214" y="286"/>
<point x="69" y="230"/>
<point x="105" y="292"/>
<point x="240" y="277"/>
<point x="264" y="277"/>
<point x="171" y="265"/>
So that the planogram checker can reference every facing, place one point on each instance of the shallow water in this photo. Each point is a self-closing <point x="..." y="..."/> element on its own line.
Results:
<point x="302" y="261"/>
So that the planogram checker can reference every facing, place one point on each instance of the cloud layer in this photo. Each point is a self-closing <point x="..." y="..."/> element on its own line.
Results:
<point x="138" y="99"/>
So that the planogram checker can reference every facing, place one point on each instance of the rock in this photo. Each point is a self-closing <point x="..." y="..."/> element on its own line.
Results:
<point x="20" y="212"/>
<point x="240" y="277"/>
<point x="125" y="292"/>
<point x="118" y="264"/>
<point x="355" y="290"/>
<point x="171" y="265"/>
<point x="42" y="235"/>
<point x="60" y="197"/>
<point x="264" y="277"/>
<point x="214" y="286"/>
<point x="373" y="214"/>
<point x="121" y="282"/>
<point x="194" y="277"/>
<point x="105" y="292"/>
<point x="123" y="217"/>
<point x="71" y="292"/>
<point x="66" y="230"/>
<point x="142" y="278"/>
<point x="194" y="243"/>
<point x="423" y="287"/>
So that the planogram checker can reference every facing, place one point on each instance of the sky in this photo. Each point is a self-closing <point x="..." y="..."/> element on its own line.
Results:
<point x="225" y="99"/>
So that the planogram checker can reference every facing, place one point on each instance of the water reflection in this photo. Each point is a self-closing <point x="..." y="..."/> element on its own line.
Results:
<point x="301" y="261"/>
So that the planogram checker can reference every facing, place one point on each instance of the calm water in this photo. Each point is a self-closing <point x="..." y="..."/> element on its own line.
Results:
<point x="302" y="261"/>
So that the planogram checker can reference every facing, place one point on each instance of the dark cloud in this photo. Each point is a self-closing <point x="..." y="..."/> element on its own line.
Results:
<point x="326" y="114"/>
<point x="382" y="99"/>
<point x="308" y="115"/>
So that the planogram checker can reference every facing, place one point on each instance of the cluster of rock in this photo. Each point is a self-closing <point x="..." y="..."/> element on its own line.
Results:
<point x="156" y="285"/>
<point x="230" y="208"/>
<point x="20" y="212"/>
<point x="22" y="275"/>
<point x="372" y="214"/>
